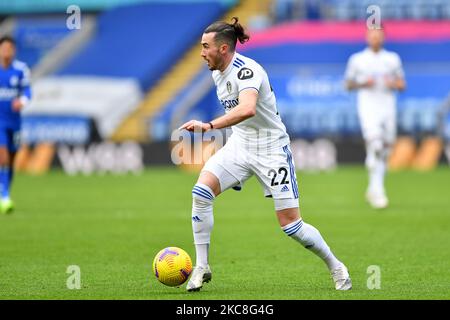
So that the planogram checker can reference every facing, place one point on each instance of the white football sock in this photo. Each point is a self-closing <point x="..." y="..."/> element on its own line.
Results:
<point x="202" y="254"/>
<point x="202" y="221"/>
<point x="311" y="239"/>
<point x="376" y="165"/>
<point x="378" y="176"/>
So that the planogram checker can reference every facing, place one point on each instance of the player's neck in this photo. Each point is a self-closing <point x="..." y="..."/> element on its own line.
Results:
<point x="5" y="63"/>
<point x="376" y="49"/>
<point x="226" y="61"/>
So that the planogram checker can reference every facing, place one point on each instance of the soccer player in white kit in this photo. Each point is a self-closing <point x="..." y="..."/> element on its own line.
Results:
<point x="259" y="145"/>
<point x="376" y="74"/>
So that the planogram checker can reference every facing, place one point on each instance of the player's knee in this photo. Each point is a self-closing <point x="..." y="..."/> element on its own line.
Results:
<point x="288" y="215"/>
<point x="374" y="152"/>
<point x="387" y="149"/>
<point x="202" y="197"/>
<point x="202" y="213"/>
<point x="375" y="146"/>
<point x="4" y="157"/>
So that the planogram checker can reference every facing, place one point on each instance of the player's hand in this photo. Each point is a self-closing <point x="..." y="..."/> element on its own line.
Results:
<point x="17" y="105"/>
<point x="369" y="83"/>
<point x="391" y="84"/>
<point x="195" y="125"/>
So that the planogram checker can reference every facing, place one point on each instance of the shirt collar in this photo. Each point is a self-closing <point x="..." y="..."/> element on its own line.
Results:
<point x="369" y="50"/>
<point x="230" y="66"/>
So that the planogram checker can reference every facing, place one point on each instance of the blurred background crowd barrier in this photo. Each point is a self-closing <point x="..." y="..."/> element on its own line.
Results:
<point x="111" y="80"/>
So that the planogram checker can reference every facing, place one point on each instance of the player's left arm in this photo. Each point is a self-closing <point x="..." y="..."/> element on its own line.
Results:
<point x="25" y="91"/>
<point x="397" y="82"/>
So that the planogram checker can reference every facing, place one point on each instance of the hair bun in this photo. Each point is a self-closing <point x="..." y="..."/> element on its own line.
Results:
<point x="239" y="30"/>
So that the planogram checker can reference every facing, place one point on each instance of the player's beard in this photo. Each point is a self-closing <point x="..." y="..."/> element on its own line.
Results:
<point x="214" y="62"/>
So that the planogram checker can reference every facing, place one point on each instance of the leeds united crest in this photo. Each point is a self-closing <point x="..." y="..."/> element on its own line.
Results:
<point x="229" y="86"/>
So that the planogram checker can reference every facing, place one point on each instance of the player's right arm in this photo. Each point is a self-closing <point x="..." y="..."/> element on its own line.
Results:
<point x="352" y="84"/>
<point x="243" y="111"/>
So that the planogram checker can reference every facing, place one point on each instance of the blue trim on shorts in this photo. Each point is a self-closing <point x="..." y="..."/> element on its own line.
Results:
<point x="292" y="171"/>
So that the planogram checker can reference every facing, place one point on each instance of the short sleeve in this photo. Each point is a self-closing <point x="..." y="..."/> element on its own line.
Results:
<point x="25" y="80"/>
<point x="249" y="77"/>
<point x="351" y="70"/>
<point x="398" y="68"/>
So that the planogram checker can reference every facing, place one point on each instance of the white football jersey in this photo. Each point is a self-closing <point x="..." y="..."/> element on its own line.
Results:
<point x="380" y="66"/>
<point x="265" y="128"/>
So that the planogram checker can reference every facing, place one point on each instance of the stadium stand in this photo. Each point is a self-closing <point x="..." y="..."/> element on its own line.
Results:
<point x="36" y="36"/>
<point x="137" y="42"/>
<point x="346" y="10"/>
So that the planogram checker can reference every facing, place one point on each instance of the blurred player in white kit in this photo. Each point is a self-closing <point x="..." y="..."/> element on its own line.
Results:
<point x="376" y="74"/>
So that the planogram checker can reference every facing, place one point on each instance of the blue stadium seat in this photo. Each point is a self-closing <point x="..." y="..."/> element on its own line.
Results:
<point x="137" y="42"/>
<point x="36" y="36"/>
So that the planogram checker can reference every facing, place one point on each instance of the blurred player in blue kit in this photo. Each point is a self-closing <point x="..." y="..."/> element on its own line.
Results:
<point x="15" y="93"/>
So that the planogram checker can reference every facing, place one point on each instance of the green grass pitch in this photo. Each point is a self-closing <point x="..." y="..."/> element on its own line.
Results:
<point x="112" y="226"/>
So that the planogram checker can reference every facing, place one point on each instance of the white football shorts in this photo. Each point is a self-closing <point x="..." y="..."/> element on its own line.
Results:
<point x="381" y="124"/>
<point x="274" y="168"/>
